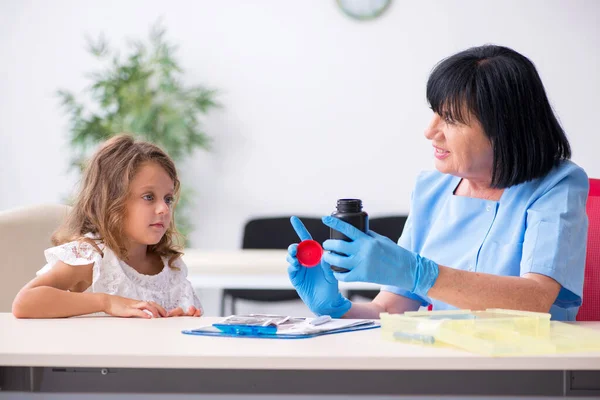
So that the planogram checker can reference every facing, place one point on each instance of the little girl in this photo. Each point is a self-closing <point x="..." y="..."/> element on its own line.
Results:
<point x="115" y="252"/>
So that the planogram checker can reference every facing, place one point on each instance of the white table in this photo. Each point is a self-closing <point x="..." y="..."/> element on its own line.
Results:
<point x="244" y="269"/>
<point x="103" y="354"/>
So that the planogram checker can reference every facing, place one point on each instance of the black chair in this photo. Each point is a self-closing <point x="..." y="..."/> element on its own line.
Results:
<point x="387" y="226"/>
<point x="272" y="233"/>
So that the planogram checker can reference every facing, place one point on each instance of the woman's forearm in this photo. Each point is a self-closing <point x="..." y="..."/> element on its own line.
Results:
<point x="364" y="310"/>
<point x="49" y="302"/>
<point x="478" y="291"/>
<point x="383" y="302"/>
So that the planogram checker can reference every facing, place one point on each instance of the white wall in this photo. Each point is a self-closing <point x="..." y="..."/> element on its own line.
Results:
<point x="308" y="94"/>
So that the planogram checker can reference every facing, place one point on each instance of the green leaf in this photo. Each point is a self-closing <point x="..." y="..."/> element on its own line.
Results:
<point x="99" y="47"/>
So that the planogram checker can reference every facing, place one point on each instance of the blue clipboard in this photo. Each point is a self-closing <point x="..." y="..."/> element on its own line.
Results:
<point x="267" y="332"/>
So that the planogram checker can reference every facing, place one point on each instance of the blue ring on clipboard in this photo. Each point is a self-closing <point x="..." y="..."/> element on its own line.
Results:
<point x="246" y="329"/>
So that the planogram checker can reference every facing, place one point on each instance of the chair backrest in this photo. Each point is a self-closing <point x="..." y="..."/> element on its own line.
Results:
<point x="590" y="309"/>
<point x="24" y="235"/>
<point x="277" y="232"/>
<point x="388" y="226"/>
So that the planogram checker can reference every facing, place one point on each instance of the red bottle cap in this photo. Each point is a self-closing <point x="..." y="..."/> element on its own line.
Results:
<point x="309" y="253"/>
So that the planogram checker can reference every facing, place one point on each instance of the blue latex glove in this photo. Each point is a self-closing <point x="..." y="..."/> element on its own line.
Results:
<point x="374" y="258"/>
<point x="316" y="286"/>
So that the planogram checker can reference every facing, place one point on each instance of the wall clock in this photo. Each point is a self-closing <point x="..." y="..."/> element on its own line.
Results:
<point x="363" y="9"/>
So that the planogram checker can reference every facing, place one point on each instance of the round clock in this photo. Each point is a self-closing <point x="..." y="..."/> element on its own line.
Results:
<point x="363" y="9"/>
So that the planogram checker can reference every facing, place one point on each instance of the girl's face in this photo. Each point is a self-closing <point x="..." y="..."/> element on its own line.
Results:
<point x="149" y="205"/>
<point x="461" y="150"/>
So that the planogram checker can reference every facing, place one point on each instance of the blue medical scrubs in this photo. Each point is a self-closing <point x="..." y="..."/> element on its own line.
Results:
<point x="538" y="227"/>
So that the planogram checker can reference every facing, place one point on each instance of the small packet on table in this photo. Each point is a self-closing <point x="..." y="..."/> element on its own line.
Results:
<point x="280" y="326"/>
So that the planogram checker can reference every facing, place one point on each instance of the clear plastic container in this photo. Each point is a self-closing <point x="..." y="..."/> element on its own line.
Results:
<point x="495" y="332"/>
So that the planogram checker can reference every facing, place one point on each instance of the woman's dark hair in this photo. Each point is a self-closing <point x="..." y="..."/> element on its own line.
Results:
<point x="502" y="89"/>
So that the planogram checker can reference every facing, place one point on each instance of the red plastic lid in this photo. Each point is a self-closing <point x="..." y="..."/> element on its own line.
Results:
<point x="309" y="253"/>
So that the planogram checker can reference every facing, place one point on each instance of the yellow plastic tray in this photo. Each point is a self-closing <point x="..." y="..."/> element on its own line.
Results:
<point x="494" y="332"/>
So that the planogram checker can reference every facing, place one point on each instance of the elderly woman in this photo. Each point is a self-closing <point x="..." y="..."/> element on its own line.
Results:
<point x="500" y="224"/>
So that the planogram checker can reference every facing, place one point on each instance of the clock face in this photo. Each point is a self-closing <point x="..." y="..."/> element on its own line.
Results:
<point x="363" y="9"/>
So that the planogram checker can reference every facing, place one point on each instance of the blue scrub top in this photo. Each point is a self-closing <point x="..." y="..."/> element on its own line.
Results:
<point x="538" y="226"/>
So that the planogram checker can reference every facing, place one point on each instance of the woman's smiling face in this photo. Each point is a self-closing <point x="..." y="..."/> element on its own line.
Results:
<point x="461" y="149"/>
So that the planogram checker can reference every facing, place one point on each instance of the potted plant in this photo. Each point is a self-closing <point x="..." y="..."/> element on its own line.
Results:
<point x="140" y="93"/>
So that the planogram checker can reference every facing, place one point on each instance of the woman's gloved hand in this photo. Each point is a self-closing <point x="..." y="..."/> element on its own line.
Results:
<point x="316" y="286"/>
<point x="374" y="258"/>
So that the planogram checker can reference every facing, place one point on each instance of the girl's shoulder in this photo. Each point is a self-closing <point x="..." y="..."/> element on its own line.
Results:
<point x="85" y="251"/>
<point x="177" y="266"/>
<point x="78" y="252"/>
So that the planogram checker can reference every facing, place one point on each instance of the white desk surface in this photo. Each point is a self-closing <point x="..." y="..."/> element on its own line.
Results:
<point x="106" y="342"/>
<point x="244" y="269"/>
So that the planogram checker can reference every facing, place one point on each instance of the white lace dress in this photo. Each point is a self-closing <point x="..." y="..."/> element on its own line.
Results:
<point x="170" y="288"/>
